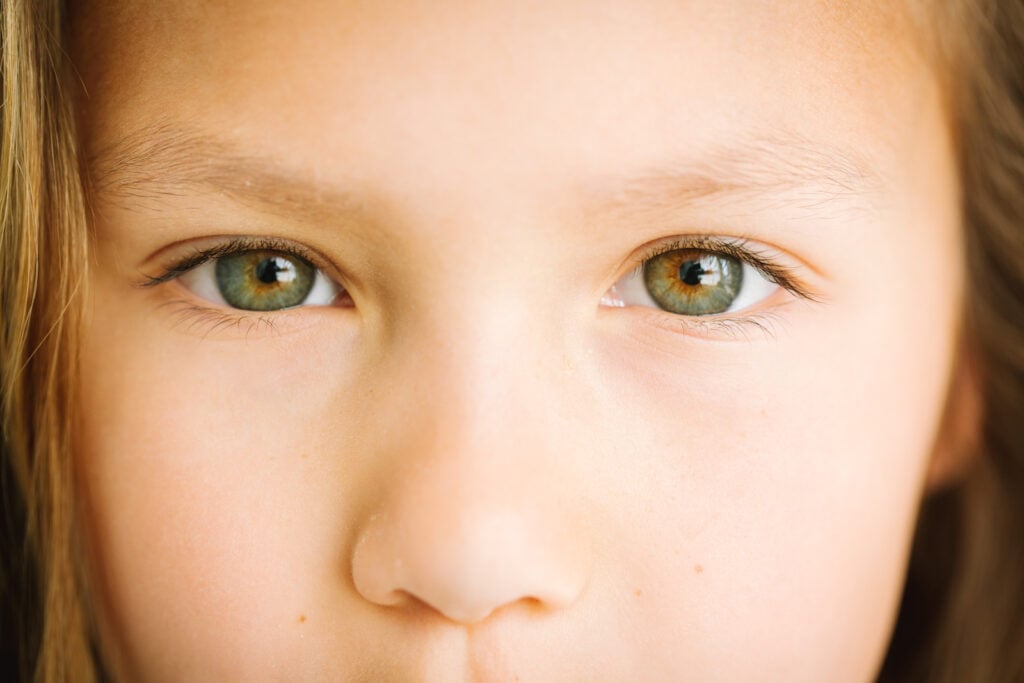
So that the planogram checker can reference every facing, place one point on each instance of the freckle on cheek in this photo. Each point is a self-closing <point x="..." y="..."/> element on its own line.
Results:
<point x="302" y="618"/>
<point x="698" y="569"/>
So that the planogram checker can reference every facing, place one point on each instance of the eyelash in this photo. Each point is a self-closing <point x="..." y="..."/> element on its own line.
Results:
<point x="232" y="246"/>
<point x="739" y="248"/>
<point x="208" y="319"/>
<point x="733" y="326"/>
<point x="214" y="318"/>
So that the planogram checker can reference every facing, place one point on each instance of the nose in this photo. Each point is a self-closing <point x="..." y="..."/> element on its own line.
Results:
<point x="465" y="565"/>
<point x="466" y="543"/>
<point x="474" y="515"/>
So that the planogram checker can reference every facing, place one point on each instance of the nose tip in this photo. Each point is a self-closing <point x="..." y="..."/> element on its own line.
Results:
<point x="468" y="567"/>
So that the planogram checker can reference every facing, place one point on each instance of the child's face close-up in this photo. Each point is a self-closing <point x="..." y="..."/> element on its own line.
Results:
<point x="508" y="340"/>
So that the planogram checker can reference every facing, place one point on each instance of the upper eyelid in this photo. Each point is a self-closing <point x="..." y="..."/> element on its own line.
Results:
<point x="231" y="245"/>
<point x="737" y="247"/>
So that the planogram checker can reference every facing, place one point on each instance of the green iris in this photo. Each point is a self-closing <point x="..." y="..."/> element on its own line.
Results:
<point x="693" y="281"/>
<point x="264" y="280"/>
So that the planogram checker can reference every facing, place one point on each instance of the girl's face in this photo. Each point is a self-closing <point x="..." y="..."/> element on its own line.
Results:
<point x="490" y="436"/>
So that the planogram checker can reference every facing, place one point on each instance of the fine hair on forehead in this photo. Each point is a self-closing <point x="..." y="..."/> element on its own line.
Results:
<point x="962" y="616"/>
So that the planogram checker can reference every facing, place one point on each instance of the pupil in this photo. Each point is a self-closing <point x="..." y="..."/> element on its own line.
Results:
<point x="691" y="272"/>
<point x="267" y="270"/>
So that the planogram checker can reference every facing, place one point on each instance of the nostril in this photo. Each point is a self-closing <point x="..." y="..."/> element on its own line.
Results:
<point x="466" y="570"/>
<point x="467" y="612"/>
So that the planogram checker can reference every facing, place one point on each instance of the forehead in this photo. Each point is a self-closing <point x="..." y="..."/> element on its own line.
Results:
<point x="503" y="86"/>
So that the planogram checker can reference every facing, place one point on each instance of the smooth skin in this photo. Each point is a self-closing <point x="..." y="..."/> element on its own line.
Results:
<point x="474" y="464"/>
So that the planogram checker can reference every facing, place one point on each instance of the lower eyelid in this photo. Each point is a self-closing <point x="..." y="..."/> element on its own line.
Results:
<point x="218" y="323"/>
<point x="762" y="324"/>
<point x="760" y="319"/>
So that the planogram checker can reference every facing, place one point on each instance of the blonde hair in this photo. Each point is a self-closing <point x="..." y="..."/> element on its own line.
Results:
<point x="963" y="613"/>
<point x="43" y="248"/>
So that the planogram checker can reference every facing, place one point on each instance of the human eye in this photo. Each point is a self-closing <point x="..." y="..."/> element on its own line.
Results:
<point x="248" y="274"/>
<point x="707" y="281"/>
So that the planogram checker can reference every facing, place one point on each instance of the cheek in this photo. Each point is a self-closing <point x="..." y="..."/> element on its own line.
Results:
<point x="209" y="491"/>
<point x="771" y="502"/>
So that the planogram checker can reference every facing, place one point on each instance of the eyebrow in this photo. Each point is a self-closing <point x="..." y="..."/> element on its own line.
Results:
<point x="805" y="173"/>
<point x="161" y="162"/>
<point x="165" y="161"/>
